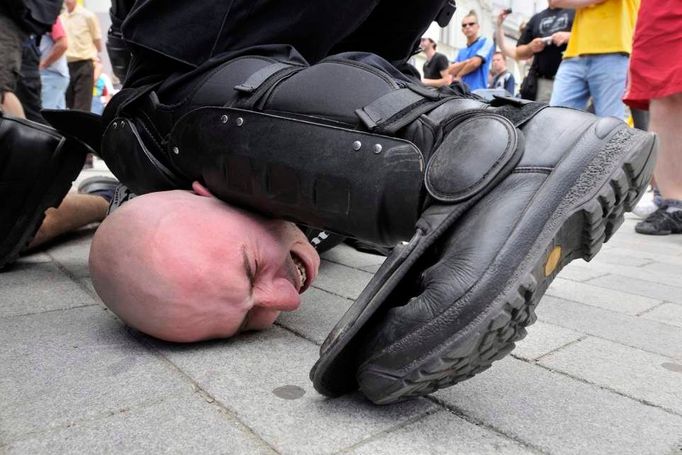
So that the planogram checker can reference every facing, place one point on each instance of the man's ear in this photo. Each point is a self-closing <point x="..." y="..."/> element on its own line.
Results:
<point x="201" y="190"/>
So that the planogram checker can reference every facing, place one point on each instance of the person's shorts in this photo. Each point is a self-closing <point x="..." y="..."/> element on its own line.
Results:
<point x="11" y="39"/>
<point x="656" y="60"/>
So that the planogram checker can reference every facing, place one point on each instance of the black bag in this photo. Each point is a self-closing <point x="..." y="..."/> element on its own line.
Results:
<point x="529" y="86"/>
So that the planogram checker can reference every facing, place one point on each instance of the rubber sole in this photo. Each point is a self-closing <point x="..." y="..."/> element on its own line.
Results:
<point x="581" y="233"/>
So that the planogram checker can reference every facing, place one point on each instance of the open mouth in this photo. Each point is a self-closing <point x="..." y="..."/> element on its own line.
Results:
<point x="302" y="272"/>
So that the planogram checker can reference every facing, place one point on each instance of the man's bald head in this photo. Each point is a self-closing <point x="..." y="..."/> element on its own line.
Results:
<point x="183" y="266"/>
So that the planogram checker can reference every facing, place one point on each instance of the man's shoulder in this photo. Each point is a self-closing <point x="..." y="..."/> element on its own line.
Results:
<point x="439" y="56"/>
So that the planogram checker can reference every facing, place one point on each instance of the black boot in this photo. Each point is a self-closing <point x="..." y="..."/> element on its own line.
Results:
<point x="37" y="166"/>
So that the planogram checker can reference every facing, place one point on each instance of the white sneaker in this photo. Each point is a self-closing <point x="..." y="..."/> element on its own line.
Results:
<point x="646" y="206"/>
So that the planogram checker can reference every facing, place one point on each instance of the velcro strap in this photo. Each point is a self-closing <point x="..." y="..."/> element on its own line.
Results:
<point x="517" y="110"/>
<point x="397" y="109"/>
<point x="259" y="77"/>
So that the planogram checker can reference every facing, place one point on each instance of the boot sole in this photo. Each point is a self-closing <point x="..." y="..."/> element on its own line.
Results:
<point x="491" y="336"/>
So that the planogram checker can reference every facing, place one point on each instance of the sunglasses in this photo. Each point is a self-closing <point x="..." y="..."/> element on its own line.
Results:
<point x="468" y="24"/>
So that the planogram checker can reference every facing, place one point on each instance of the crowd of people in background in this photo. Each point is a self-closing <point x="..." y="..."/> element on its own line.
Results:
<point x="60" y="69"/>
<point x="580" y="54"/>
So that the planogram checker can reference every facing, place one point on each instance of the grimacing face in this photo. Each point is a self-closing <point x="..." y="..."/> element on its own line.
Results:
<point x="185" y="266"/>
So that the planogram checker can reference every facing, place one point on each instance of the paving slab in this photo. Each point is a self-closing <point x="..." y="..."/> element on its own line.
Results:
<point x="635" y="373"/>
<point x="631" y="285"/>
<point x="631" y="331"/>
<point x="441" y="433"/>
<point x="349" y="256"/>
<point x="342" y="280"/>
<point x="581" y="271"/>
<point x="544" y="338"/>
<point x="608" y="299"/>
<point x="155" y="428"/>
<point x="263" y="379"/>
<point x="60" y="367"/>
<point x="317" y="315"/>
<point x="73" y="251"/>
<point x="562" y="415"/>
<point x="667" y="313"/>
<point x="35" y="287"/>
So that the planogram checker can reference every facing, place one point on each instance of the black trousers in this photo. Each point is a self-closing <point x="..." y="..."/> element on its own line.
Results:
<point x="79" y="91"/>
<point x="176" y="36"/>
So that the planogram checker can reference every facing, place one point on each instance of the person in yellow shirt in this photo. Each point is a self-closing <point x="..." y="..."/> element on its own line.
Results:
<point x="596" y="60"/>
<point x="85" y="42"/>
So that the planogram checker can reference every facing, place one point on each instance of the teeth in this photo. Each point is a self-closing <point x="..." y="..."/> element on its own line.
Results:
<point x="301" y="271"/>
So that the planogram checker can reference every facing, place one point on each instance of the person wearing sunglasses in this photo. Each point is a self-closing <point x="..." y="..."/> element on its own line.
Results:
<point x="472" y="64"/>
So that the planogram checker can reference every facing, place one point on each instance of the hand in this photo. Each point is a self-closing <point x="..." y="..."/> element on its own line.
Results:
<point x="42" y="65"/>
<point x="501" y="16"/>
<point x="560" y="38"/>
<point x="537" y="45"/>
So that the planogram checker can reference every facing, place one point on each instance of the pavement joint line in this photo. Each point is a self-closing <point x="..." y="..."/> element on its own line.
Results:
<point x="457" y="412"/>
<point x="78" y="281"/>
<point x="333" y="293"/>
<point x="616" y="341"/>
<point x="570" y="343"/>
<point x="641" y="278"/>
<point x="297" y="333"/>
<point x="94" y="418"/>
<point x="388" y="431"/>
<point x="649" y="310"/>
<point x="621" y="290"/>
<point x="348" y="266"/>
<point x="584" y="281"/>
<point x="602" y="387"/>
<point x="47" y="311"/>
<point x="210" y="399"/>
<point x="568" y="299"/>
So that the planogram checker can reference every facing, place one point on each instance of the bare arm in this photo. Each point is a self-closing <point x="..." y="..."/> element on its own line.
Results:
<point x="499" y="37"/>
<point x="98" y="44"/>
<point x="444" y="80"/>
<point x="573" y="4"/>
<point x="455" y="68"/>
<point x="57" y="51"/>
<point x="526" y="51"/>
<point x="469" y="66"/>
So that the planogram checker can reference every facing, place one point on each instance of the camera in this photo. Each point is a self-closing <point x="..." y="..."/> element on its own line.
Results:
<point x="508" y="11"/>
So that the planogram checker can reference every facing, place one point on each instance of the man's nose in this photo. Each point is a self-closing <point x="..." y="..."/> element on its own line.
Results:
<point x="280" y="296"/>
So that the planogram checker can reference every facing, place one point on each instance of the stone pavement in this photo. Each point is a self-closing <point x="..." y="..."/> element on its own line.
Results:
<point x="600" y="372"/>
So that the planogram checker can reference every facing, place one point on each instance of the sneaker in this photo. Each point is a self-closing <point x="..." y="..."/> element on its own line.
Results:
<point x="661" y="222"/>
<point x="646" y="206"/>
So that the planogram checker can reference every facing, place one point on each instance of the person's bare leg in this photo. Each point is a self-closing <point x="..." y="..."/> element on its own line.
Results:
<point x="666" y="121"/>
<point x="75" y="211"/>
<point x="11" y="105"/>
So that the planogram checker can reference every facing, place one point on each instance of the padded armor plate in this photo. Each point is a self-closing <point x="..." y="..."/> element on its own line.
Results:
<point x="361" y="184"/>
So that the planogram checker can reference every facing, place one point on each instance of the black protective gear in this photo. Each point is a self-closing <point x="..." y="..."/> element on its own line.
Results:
<point x="511" y="192"/>
<point x="445" y="306"/>
<point x="37" y="166"/>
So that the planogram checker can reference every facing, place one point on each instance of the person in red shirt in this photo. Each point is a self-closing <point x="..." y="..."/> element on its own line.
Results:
<point x="655" y="84"/>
